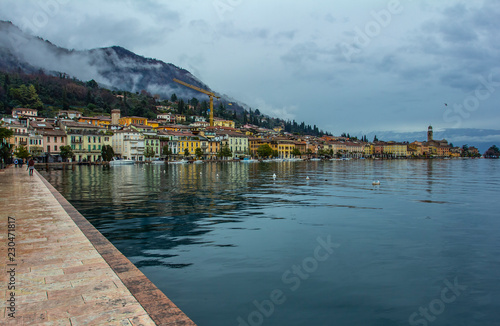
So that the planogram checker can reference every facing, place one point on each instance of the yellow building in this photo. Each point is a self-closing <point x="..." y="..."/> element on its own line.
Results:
<point x="369" y="150"/>
<point x="394" y="149"/>
<point x="86" y="140"/>
<point x="153" y="124"/>
<point x="223" y="123"/>
<point x="191" y="143"/>
<point x="214" y="147"/>
<point x="285" y="148"/>
<point x="127" y="121"/>
<point x="99" y="121"/>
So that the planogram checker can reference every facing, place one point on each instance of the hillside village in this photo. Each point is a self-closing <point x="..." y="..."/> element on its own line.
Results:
<point x="169" y="137"/>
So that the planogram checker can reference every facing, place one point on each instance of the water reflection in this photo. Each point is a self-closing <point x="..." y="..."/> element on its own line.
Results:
<point x="216" y="237"/>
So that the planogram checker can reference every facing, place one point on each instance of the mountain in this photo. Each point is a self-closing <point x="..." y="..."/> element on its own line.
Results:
<point x="112" y="67"/>
<point x="480" y="138"/>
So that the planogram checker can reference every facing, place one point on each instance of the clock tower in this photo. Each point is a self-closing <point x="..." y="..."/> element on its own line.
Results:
<point x="429" y="134"/>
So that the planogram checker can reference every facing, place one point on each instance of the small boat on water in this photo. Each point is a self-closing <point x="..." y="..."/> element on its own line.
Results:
<point x="315" y="159"/>
<point x="158" y="161"/>
<point x="179" y="162"/>
<point x="249" y="160"/>
<point x="117" y="161"/>
<point x="198" y="162"/>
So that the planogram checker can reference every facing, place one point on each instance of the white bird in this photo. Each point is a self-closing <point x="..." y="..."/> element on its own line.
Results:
<point x="217" y="175"/>
<point x="307" y="178"/>
<point x="376" y="183"/>
<point x="200" y="173"/>
<point x="274" y="175"/>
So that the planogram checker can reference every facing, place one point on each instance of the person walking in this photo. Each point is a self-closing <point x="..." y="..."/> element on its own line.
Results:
<point x="31" y="166"/>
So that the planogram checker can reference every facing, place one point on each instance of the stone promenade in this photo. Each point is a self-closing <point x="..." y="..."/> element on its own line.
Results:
<point x="57" y="269"/>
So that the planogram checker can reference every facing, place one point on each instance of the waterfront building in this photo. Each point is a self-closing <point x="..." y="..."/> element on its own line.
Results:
<point x="191" y="143"/>
<point x="355" y="150"/>
<point x="254" y="143"/>
<point x="285" y="148"/>
<point x="128" y="143"/>
<point x="395" y="150"/>
<point x="86" y="140"/>
<point x="52" y="142"/>
<point x="214" y="147"/>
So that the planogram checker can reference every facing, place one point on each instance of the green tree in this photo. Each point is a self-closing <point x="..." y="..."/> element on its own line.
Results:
<point x="198" y="152"/>
<point x="26" y="96"/>
<point x="186" y="152"/>
<point x="264" y="150"/>
<point x="107" y="153"/>
<point x="492" y="152"/>
<point x="5" y="134"/>
<point x="296" y="152"/>
<point x="5" y="147"/>
<point x="66" y="152"/>
<point x="21" y="152"/>
<point x="173" y="98"/>
<point x="166" y="151"/>
<point x="36" y="150"/>
<point x="465" y="150"/>
<point x="225" y="151"/>
<point x="309" y="152"/>
<point x="149" y="152"/>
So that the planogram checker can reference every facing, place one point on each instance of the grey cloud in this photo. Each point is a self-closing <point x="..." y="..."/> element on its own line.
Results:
<point x="229" y="30"/>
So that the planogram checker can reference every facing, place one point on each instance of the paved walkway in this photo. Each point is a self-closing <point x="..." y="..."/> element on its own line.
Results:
<point x="57" y="269"/>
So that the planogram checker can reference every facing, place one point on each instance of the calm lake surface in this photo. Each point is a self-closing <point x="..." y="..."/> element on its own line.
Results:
<point x="240" y="248"/>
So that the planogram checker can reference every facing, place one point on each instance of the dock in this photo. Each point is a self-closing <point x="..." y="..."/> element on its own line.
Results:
<point x="57" y="269"/>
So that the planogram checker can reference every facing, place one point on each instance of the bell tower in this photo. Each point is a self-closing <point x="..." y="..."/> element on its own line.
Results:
<point x="429" y="134"/>
<point x="115" y="116"/>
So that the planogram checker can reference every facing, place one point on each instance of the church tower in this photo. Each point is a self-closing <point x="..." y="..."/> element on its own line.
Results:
<point x="429" y="134"/>
<point x="115" y="116"/>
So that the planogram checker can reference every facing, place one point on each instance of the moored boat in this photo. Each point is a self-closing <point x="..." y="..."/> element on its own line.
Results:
<point x="117" y="161"/>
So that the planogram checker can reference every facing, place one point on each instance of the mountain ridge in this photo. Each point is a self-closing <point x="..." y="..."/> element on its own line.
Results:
<point x="113" y="67"/>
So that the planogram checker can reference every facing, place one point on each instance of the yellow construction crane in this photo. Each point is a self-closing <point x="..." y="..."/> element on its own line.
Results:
<point x="210" y="94"/>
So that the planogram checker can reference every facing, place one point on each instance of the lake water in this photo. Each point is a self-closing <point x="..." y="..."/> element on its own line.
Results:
<point x="240" y="248"/>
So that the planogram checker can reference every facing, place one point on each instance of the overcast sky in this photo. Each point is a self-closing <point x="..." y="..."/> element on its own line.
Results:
<point x="353" y="66"/>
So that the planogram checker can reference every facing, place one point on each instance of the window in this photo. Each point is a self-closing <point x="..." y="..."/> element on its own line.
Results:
<point x="48" y="148"/>
<point x="55" y="148"/>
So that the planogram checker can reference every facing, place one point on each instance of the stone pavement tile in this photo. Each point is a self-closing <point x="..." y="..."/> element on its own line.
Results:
<point x="107" y="295"/>
<point x="34" y="318"/>
<point x="64" y="265"/>
<point x="59" y="322"/>
<point x="142" y="321"/>
<point x="83" y="268"/>
<point x="96" y="287"/>
<point x="32" y="297"/>
<point x="75" y="278"/>
<point x="52" y="304"/>
<point x="107" y="317"/>
<point x="34" y="288"/>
